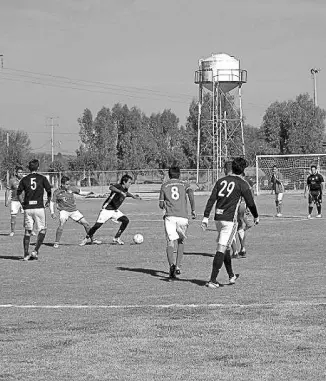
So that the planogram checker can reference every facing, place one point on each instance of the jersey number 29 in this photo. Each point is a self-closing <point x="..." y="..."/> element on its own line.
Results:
<point x="227" y="188"/>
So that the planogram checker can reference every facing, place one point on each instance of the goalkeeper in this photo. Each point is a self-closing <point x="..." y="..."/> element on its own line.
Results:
<point x="278" y="189"/>
<point x="314" y="187"/>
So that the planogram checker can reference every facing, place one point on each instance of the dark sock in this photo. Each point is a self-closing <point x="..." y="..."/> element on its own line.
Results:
<point x="319" y="209"/>
<point x="228" y="263"/>
<point x="310" y="209"/>
<point x="217" y="264"/>
<point x="124" y="223"/>
<point x="40" y="239"/>
<point x="26" y="241"/>
<point x="93" y="230"/>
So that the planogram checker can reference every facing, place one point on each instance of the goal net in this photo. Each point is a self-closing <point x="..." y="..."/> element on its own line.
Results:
<point x="294" y="168"/>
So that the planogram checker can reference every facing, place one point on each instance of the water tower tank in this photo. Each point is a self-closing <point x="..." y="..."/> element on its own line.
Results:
<point x="220" y="68"/>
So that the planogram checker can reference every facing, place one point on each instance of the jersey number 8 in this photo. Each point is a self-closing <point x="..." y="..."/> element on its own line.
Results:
<point x="175" y="193"/>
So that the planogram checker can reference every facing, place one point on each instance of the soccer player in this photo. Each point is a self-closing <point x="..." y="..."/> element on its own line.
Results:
<point x="278" y="189"/>
<point x="226" y="196"/>
<point x="65" y="202"/>
<point x="12" y="198"/>
<point x="314" y="187"/>
<point x="110" y="210"/>
<point x="30" y="193"/>
<point x="173" y="199"/>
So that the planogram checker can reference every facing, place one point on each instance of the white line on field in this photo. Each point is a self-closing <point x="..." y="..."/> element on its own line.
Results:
<point x="163" y="306"/>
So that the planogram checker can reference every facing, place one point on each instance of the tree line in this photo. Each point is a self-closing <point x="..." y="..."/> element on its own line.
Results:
<point x="126" y="138"/>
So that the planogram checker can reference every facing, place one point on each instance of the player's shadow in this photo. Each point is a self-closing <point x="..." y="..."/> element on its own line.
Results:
<point x="211" y="255"/>
<point x="11" y="257"/>
<point x="4" y="234"/>
<point x="151" y="272"/>
<point x="50" y="244"/>
<point x="197" y="282"/>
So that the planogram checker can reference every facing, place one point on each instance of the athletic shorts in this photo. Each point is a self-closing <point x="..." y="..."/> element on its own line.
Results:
<point x="279" y="196"/>
<point x="315" y="197"/>
<point x="34" y="219"/>
<point x="175" y="227"/>
<point x="64" y="216"/>
<point x="16" y="207"/>
<point x="106" y="215"/>
<point x="225" y="232"/>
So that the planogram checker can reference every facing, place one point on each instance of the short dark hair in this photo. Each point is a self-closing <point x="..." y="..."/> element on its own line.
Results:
<point x="274" y="166"/>
<point x="64" y="179"/>
<point x="19" y="168"/>
<point x="174" y="172"/>
<point x="33" y="165"/>
<point x="313" y="166"/>
<point x="228" y="166"/>
<point x="125" y="178"/>
<point x="238" y="165"/>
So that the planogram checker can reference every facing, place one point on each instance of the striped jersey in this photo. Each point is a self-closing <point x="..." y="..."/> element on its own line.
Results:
<point x="174" y="194"/>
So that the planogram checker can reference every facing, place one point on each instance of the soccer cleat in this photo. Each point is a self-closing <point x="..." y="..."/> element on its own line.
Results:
<point x="97" y="242"/>
<point x="233" y="278"/>
<point x="177" y="271"/>
<point x="55" y="245"/>
<point x="83" y="242"/>
<point x="172" y="272"/>
<point x="27" y="257"/>
<point x="34" y="255"/>
<point x="279" y="215"/>
<point x="211" y="284"/>
<point x="235" y="255"/>
<point x="242" y="254"/>
<point x="11" y="234"/>
<point x="117" y="241"/>
<point x="33" y="234"/>
<point x="309" y="216"/>
<point x="318" y="216"/>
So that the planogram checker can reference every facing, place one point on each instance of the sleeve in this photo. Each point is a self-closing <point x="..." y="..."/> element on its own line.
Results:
<point x="75" y="190"/>
<point x="162" y="194"/>
<point x="211" y="201"/>
<point x="20" y="188"/>
<point x="321" y="179"/>
<point x="308" y="180"/>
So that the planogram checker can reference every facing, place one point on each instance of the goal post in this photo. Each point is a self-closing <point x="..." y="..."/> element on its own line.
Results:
<point x="294" y="168"/>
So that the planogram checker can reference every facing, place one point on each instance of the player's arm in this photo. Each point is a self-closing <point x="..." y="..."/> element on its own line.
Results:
<point x="209" y="205"/>
<point x="134" y="196"/>
<point x="116" y="190"/>
<point x="306" y="190"/>
<point x="191" y="197"/>
<point x="251" y="205"/>
<point x="80" y="192"/>
<point x="20" y="192"/>
<point x="161" y="202"/>
<point x="7" y="195"/>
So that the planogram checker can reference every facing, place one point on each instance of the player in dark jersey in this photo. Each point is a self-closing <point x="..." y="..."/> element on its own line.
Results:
<point x="30" y="193"/>
<point x="64" y="199"/>
<point x="110" y="210"/>
<point x="173" y="199"/>
<point x="226" y="196"/>
<point x="314" y="187"/>
<point x="11" y="198"/>
<point x="278" y="189"/>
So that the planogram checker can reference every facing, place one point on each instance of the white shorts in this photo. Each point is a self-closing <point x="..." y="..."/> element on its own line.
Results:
<point x="279" y="196"/>
<point x="34" y="218"/>
<point x="16" y="207"/>
<point x="106" y="215"/>
<point x="175" y="227"/>
<point x="64" y="216"/>
<point x="225" y="232"/>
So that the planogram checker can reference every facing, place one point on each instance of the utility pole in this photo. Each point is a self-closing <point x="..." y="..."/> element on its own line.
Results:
<point x="1" y="61"/>
<point x="52" y="125"/>
<point x="8" y="175"/>
<point x="314" y="73"/>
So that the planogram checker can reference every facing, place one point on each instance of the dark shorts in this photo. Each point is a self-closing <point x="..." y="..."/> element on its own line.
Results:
<point x="315" y="197"/>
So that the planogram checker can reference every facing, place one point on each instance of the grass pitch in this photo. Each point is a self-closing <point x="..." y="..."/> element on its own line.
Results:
<point x="109" y="313"/>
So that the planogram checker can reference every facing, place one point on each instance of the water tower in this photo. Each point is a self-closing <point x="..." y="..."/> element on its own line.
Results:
<point x="222" y="75"/>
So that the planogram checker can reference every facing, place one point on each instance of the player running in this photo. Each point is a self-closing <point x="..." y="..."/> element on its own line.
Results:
<point x="278" y="189"/>
<point x="314" y="187"/>
<point x="12" y="198"/>
<point x="226" y="196"/>
<point x="110" y="210"/>
<point x="30" y="193"/>
<point x="173" y="198"/>
<point x="65" y="202"/>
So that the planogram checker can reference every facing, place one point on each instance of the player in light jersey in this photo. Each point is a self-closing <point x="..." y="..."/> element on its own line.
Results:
<point x="65" y="202"/>
<point x="226" y="196"/>
<point x="173" y="199"/>
<point x="11" y="198"/>
<point x="314" y="187"/>
<point x="110" y="210"/>
<point x="30" y="193"/>
<point x="278" y="189"/>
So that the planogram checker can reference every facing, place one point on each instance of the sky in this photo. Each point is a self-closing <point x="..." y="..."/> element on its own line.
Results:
<point x="62" y="56"/>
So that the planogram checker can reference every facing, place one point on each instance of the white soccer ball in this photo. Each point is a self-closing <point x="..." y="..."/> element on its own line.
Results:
<point x="138" y="238"/>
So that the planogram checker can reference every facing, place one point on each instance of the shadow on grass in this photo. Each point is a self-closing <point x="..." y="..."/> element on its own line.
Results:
<point x="201" y="254"/>
<point x="151" y="272"/>
<point x="11" y="257"/>
<point x="50" y="244"/>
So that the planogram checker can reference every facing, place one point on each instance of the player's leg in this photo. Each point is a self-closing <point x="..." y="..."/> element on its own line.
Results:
<point x="28" y="225"/>
<point x="227" y="254"/>
<point x="318" y="204"/>
<point x="181" y="227"/>
<point x="63" y="218"/>
<point x="310" y="204"/>
<point x="124" y="222"/>
<point x="103" y="216"/>
<point x="40" y="222"/>
<point x="170" y="226"/>
<point x="280" y="204"/>
<point x="15" y="207"/>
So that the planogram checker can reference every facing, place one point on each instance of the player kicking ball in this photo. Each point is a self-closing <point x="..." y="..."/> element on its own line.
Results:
<point x="64" y="199"/>
<point x="110" y="210"/>
<point x="173" y="198"/>
<point x="226" y="196"/>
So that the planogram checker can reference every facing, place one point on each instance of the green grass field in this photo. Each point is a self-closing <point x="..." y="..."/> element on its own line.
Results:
<point x="108" y="312"/>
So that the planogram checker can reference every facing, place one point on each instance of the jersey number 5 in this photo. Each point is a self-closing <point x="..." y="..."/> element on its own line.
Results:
<point x="227" y="188"/>
<point x="175" y="193"/>
<point x="33" y="183"/>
